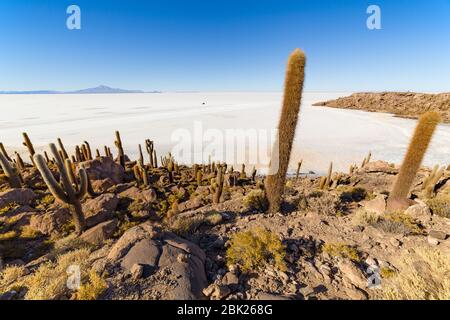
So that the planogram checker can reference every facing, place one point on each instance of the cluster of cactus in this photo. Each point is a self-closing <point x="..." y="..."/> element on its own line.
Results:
<point x="141" y="173"/>
<point x="325" y="181"/>
<point x="68" y="190"/>
<point x="399" y="195"/>
<point x="430" y="182"/>
<point x="293" y="87"/>
<point x="9" y="170"/>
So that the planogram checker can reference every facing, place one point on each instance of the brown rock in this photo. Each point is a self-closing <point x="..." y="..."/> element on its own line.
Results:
<point x="377" y="205"/>
<point x="52" y="220"/>
<point x="146" y="195"/>
<point x="101" y="232"/>
<point x="103" y="168"/>
<point x="22" y="196"/>
<point x="100" y="209"/>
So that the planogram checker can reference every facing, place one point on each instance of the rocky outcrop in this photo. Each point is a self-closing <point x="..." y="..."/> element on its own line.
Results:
<point x="154" y="249"/>
<point x="100" y="209"/>
<point x="22" y="196"/>
<point x="403" y="104"/>
<point x="52" y="220"/>
<point x="104" y="168"/>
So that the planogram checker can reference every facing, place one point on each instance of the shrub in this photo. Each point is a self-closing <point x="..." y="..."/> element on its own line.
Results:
<point x="28" y="232"/>
<point x="365" y="218"/>
<point x="93" y="288"/>
<point x="398" y="222"/>
<point x="8" y="235"/>
<point x="256" y="200"/>
<point x="10" y="275"/>
<point x="353" y="195"/>
<point x="184" y="226"/>
<point x="440" y="205"/>
<point x="49" y="280"/>
<point x="256" y="248"/>
<point x="341" y="250"/>
<point x="323" y="203"/>
<point x="423" y="275"/>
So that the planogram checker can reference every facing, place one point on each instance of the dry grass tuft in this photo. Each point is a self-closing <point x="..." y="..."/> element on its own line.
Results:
<point x="48" y="282"/>
<point x="423" y="275"/>
<point x="256" y="200"/>
<point x="256" y="248"/>
<point x="93" y="288"/>
<point x="440" y="205"/>
<point x="341" y="250"/>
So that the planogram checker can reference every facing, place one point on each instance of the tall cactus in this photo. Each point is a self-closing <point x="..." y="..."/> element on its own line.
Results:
<point x="118" y="143"/>
<point x="218" y="186"/>
<point x="3" y="150"/>
<point x="398" y="197"/>
<point x="27" y="143"/>
<point x="293" y="87"/>
<point x="67" y="191"/>
<point x="13" y="178"/>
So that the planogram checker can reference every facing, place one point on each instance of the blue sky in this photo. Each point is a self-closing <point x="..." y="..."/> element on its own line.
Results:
<point x="224" y="45"/>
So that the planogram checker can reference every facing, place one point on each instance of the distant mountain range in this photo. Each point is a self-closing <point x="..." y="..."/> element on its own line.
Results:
<point x="99" y="89"/>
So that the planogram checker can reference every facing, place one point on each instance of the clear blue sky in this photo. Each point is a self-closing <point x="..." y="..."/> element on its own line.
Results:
<point x="221" y="45"/>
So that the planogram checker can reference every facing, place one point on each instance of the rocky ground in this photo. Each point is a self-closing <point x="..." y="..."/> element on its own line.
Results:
<point x="170" y="241"/>
<point x="402" y="104"/>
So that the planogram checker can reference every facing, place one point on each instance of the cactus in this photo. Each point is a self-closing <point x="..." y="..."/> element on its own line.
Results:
<point x="170" y="168"/>
<point x="293" y="88"/>
<point x="429" y="184"/>
<point x="199" y="177"/>
<point x="398" y="197"/>
<point x="149" y="148"/>
<point x="27" y="143"/>
<point x="13" y="178"/>
<point x="254" y="174"/>
<point x="366" y="159"/>
<point x="141" y="156"/>
<point x="322" y="182"/>
<point x="88" y="151"/>
<point x="118" y="143"/>
<point x="299" y="165"/>
<point x="78" y="154"/>
<point x="328" y="179"/>
<point x="97" y="153"/>
<point x="66" y="191"/>
<point x="3" y="150"/>
<point x="243" y="175"/>
<point x="61" y="147"/>
<point x="155" y="159"/>
<point x="218" y="186"/>
<point x="19" y="162"/>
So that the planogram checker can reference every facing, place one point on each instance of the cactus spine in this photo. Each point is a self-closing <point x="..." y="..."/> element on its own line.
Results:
<point x="416" y="151"/>
<point x="13" y="178"/>
<point x="293" y="87"/>
<point x="66" y="191"/>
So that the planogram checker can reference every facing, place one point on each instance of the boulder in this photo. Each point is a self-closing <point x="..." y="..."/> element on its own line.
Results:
<point x="155" y="249"/>
<point x="419" y="212"/>
<point x="377" y="205"/>
<point x="353" y="273"/>
<point x="102" y="186"/>
<point x="103" y="168"/>
<point x="52" y="220"/>
<point x="100" y="209"/>
<point x="146" y="195"/>
<point x="379" y="166"/>
<point x="101" y="232"/>
<point x="22" y="196"/>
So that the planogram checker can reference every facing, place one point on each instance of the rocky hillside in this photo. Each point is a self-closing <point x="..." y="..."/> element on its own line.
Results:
<point x="170" y="239"/>
<point x="402" y="104"/>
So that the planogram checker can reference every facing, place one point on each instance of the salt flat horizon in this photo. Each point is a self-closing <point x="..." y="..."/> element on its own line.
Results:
<point x="323" y="134"/>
